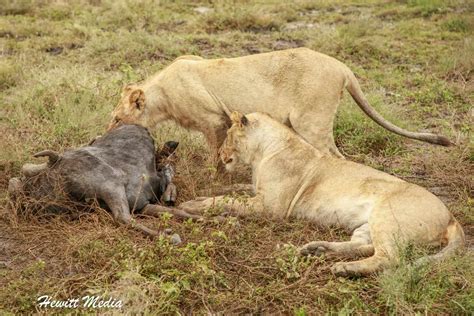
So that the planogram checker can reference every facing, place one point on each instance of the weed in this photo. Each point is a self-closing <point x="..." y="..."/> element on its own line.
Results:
<point x="412" y="288"/>
<point x="229" y="17"/>
<point x="9" y="75"/>
<point x="290" y="263"/>
<point x="456" y="25"/>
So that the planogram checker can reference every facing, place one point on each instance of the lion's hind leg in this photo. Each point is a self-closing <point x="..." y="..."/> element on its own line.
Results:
<point x="384" y="251"/>
<point x="359" y="245"/>
<point x="317" y="130"/>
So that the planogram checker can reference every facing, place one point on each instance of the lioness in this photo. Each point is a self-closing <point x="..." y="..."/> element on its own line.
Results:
<point x="298" y="87"/>
<point x="292" y="178"/>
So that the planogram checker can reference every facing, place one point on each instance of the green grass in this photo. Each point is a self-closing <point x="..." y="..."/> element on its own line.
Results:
<point x="411" y="288"/>
<point x="62" y="67"/>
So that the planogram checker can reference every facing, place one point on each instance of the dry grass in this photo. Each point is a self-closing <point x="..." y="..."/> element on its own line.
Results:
<point x="61" y="69"/>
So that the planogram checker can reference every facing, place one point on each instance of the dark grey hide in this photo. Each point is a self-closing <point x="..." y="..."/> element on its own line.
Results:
<point x="118" y="169"/>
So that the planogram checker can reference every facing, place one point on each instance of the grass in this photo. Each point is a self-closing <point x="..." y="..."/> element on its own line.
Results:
<point x="62" y="67"/>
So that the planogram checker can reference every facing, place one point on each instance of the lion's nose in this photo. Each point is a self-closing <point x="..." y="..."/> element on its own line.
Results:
<point x="228" y="160"/>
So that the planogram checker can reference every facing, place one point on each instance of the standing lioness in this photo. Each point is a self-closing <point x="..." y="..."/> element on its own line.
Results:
<point x="292" y="178"/>
<point x="298" y="87"/>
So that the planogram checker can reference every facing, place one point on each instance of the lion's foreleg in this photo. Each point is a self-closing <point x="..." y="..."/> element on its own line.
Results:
<point x="156" y="211"/>
<point x="239" y="206"/>
<point x="230" y="189"/>
<point x="359" y="245"/>
<point x="244" y="207"/>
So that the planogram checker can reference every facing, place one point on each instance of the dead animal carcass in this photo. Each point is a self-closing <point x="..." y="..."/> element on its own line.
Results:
<point x="118" y="169"/>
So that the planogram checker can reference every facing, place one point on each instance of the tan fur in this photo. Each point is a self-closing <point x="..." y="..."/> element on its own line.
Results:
<point x="292" y="178"/>
<point x="298" y="87"/>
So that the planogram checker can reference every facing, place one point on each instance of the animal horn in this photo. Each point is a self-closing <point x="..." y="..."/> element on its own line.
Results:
<point x="52" y="155"/>
<point x="30" y="170"/>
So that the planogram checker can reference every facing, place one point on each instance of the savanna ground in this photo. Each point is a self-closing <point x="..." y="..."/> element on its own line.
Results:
<point x="62" y="66"/>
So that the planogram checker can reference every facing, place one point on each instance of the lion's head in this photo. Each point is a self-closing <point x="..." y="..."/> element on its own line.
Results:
<point x="130" y="109"/>
<point x="234" y="146"/>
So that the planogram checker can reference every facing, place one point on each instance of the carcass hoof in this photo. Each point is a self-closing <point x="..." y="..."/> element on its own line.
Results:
<point x="14" y="186"/>
<point x="175" y="239"/>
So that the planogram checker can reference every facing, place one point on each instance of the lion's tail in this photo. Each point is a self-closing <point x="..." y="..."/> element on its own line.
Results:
<point x="354" y="89"/>
<point x="456" y="240"/>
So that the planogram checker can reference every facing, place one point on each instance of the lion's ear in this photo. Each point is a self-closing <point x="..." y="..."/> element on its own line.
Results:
<point x="244" y="121"/>
<point x="238" y="118"/>
<point x="235" y="117"/>
<point x="127" y="88"/>
<point x="137" y="99"/>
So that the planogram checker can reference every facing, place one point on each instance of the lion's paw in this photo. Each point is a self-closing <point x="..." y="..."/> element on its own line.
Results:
<point x="340" y="269"/>
<point x="195" y="205"/>
<point x="200" y="204"/>
<point x="314" y="248"/>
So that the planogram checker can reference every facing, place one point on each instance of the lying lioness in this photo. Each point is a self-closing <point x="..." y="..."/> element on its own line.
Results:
<point x="292" y="178"/>
<point x="298" y="87"/>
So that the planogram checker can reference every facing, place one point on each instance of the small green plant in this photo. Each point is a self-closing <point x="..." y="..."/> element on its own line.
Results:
<point x="429" y="7"/>
<point x="129" y="73"/>
<point x="456" y="25"/>
<point x="290" y="263"/>
<point x="299" y="311"/>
